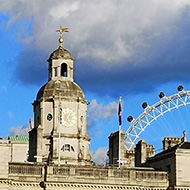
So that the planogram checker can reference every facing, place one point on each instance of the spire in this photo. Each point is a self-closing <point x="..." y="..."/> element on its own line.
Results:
<point x="61" y="31"/>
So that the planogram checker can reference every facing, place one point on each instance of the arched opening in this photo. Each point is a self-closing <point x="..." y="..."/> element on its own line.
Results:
<point x="64" y="70"/>
<point x="50" y="71"/>
<point x="56" y="72"/>
<point x="67" y="148"/>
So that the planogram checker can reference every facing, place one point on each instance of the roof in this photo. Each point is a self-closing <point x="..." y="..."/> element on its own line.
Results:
<point x="60" y="53"/>
<point x="173" y="149"/>
<point x="185" y="145"/>
<point x="19" y="139"/>
<point x="68" y="90"/>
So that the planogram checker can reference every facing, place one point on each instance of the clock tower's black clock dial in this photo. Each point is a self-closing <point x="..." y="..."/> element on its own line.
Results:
<point x="49" y="117"/>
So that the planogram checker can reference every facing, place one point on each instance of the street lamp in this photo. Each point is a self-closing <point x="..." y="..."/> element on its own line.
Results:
<point x="43" y="185"/>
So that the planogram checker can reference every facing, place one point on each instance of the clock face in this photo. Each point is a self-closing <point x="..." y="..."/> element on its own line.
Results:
<point x="49" y="117"/>
<point x="69" y="117"/>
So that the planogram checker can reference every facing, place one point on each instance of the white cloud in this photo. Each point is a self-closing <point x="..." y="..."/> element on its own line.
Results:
<point x="129" y="38"/>
<point x="64" y="9"/>
<point x="100" y="156"/>
<point x="100" y="111"/>
<point x="109" y="31"/>
<point x="21" y="131"/>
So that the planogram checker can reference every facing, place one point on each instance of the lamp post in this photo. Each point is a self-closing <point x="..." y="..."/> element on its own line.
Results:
<point x="43" y="185"/>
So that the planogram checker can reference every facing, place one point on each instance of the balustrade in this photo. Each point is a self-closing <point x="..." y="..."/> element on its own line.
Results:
<point x="25" y="169"/>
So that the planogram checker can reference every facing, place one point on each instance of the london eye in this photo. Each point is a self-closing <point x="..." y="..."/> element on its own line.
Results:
<point x="152" y="113"/>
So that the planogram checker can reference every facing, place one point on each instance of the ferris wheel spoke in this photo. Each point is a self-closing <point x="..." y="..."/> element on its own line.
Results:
<point x="151" y="113"/>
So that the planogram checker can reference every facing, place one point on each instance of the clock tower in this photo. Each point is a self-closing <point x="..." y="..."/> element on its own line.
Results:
<point x="60" y="122"/>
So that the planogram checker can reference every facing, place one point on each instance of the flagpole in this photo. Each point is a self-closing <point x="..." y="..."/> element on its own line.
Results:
<point x="59" y="138"/>
<point x="119" y="161"/>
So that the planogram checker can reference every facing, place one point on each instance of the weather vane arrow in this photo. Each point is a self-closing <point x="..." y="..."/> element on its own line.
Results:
<point x="61" y="31"/>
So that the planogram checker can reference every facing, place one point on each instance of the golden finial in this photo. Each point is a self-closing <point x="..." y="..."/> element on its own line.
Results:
<point x="61" y="31"/>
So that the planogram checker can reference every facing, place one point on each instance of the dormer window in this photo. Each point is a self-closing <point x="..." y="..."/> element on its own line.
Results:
<point x="64" y="70"/>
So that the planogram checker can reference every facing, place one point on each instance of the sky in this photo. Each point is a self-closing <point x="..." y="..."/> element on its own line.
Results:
<point x="129" y="48"/>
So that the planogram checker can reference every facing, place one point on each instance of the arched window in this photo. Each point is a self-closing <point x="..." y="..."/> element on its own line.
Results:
<point x="67" y="148"/>
<point x="56" y="72"/>
<point x="50" y="70"/>
<point x="64" y="70"/>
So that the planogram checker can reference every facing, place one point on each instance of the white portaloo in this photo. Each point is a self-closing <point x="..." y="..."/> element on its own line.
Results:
<point x="151" y="113"/>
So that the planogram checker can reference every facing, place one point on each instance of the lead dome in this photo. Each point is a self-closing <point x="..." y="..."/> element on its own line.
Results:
<point x="68" y="90"/>
<point x="60" y="53"/>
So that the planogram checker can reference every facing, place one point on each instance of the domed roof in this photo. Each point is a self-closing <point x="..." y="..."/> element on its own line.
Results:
<point x="69" y="90"/>
<point x="60" y="53"/>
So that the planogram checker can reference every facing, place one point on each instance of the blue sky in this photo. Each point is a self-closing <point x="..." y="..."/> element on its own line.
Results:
<point x="133" y="49"/>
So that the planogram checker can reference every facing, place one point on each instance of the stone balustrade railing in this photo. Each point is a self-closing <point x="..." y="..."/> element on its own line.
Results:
<point x="17" y="169"/>
<point x="86" y="174"/>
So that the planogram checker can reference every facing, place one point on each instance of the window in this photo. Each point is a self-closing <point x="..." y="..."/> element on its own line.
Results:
<point x="50" y="70"/>
<point x="64" y="70"/>
<point x="72" y="149"/>
<point x="56" y="72"/>
<point x="67" y="148"/>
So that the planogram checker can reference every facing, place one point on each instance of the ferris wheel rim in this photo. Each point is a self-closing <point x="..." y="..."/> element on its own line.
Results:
<point x="152" y="113"/>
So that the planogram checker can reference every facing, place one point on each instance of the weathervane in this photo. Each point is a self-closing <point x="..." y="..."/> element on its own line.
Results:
<point x="61" y="31"/>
